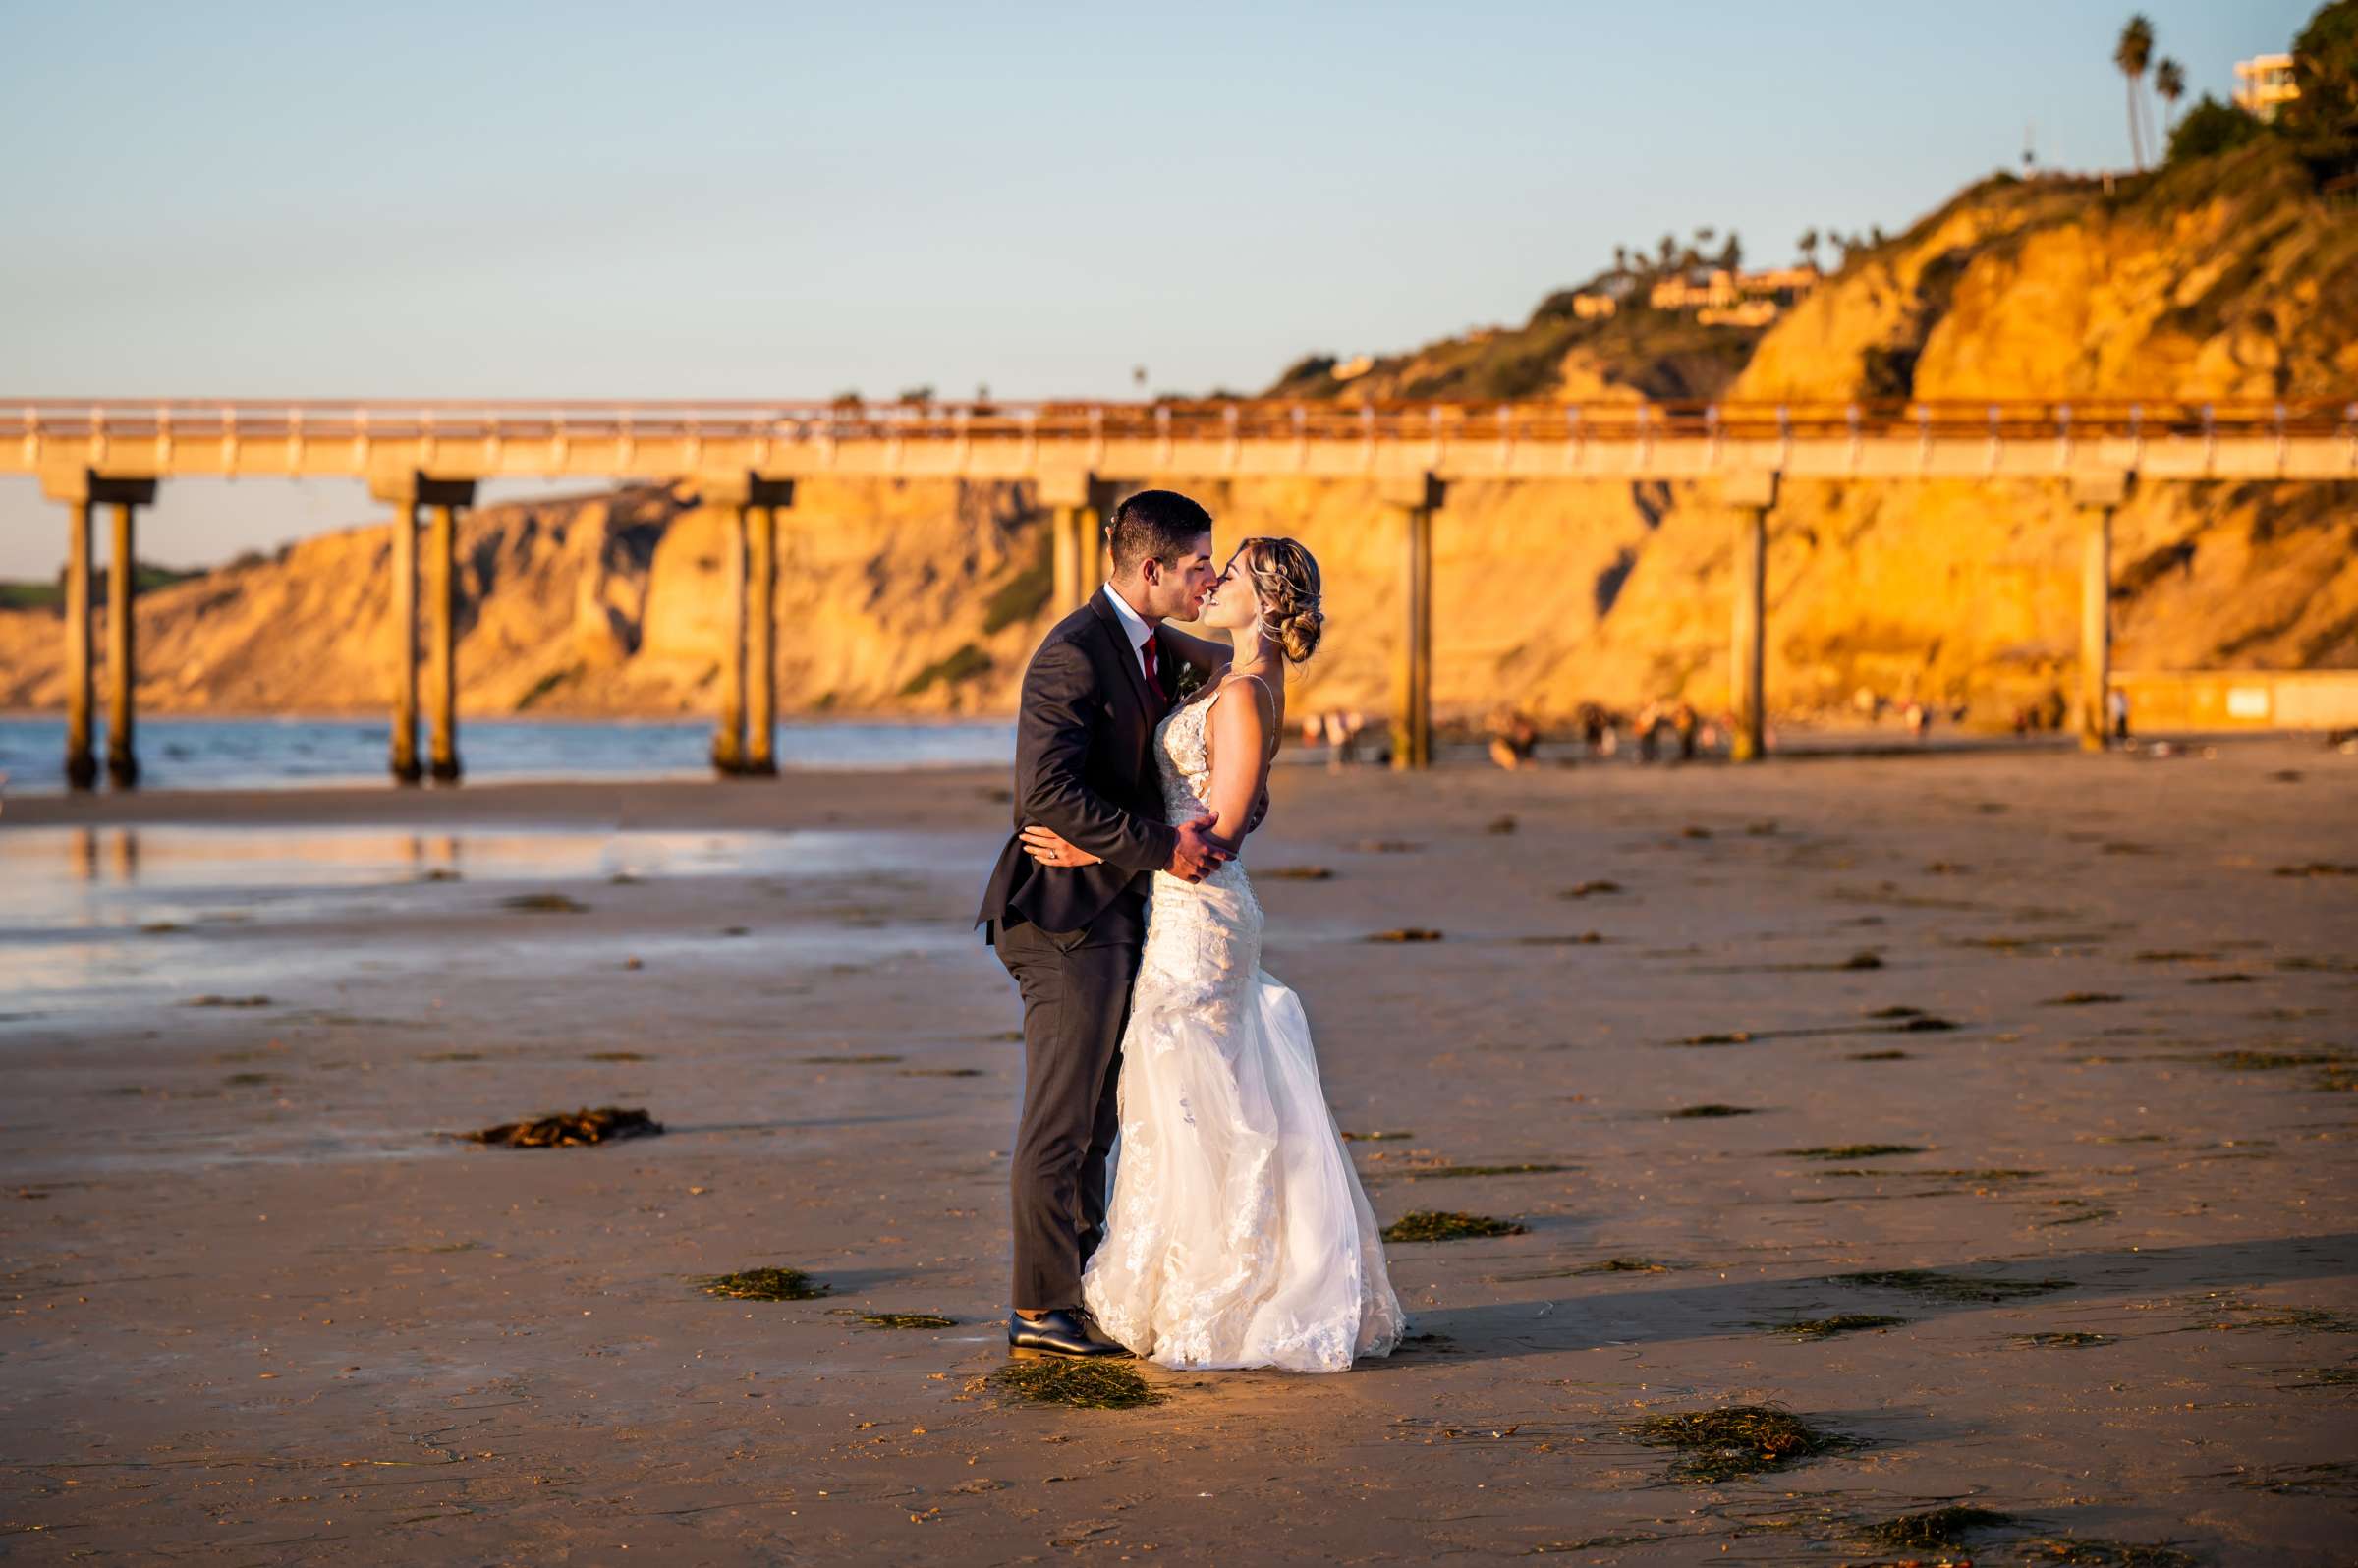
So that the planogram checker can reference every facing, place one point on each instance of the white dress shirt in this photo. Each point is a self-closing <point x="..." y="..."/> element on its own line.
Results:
<point x="1138" y="628"/>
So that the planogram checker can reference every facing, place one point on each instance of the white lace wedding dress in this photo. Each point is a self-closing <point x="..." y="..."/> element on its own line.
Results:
<point x="1238" y="1234"/>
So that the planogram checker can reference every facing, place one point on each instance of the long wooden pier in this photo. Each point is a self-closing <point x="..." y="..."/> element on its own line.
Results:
<point x="745" y="457"/>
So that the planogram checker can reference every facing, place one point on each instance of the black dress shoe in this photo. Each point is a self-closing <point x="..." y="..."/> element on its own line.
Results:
<point x="1066" y="1331"/>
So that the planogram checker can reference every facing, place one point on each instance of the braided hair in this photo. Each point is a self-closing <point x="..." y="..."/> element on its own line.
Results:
<point x="1285" y="584"/>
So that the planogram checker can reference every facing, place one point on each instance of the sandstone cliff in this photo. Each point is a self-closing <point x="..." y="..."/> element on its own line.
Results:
<point x="2228" y="278"/>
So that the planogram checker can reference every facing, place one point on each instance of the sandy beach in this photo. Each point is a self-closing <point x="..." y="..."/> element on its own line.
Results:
<point x="261" y="1311"/>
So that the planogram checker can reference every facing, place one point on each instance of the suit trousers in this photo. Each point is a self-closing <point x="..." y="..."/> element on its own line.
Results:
<point x="1076" y="995"/>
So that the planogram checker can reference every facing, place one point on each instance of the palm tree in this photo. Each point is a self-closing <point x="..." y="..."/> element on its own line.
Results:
<point x="1806" y="245"/>
<point x="2169" y="81"/>
<point x="2133" y="54"/>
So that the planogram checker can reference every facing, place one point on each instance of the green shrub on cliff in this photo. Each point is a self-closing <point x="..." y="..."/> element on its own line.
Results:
<point x="2321" y="124"/>
<point x="2211" y="128"/>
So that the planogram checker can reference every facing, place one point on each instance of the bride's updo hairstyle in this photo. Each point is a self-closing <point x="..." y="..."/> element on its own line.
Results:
<point x="1285" y="581"/>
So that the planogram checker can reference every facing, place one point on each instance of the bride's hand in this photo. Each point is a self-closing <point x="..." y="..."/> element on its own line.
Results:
<point x="1045" y="846"/>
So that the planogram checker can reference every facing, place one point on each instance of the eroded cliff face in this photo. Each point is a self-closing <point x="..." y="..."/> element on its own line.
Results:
<point x="2228" y="279"/>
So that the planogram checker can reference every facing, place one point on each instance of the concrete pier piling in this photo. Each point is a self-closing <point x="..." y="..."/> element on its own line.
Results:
<point x="80" y="489"/>
<point x="81" y="763"/>
<point x="762" y="642"/>
<point x="442" y="606"/>
<point x="1065" y="558"/>
<point x="122" y="666"/>
<point x="1414" y="500"/>
<point x="746" y="726"/>
<point x="2098" y="495"/>
<point x="1754" y="494"/>
<point x="406" y="767"/>
<point x="1078" y="502"/>
<point x="728" y="727"/>
<point x="409" y="491"/>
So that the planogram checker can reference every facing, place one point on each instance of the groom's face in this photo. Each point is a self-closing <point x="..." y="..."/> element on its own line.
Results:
<point x="1175" y="588"/>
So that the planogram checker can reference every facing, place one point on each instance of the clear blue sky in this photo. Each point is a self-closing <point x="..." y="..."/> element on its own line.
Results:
<point x="725" y="200"/>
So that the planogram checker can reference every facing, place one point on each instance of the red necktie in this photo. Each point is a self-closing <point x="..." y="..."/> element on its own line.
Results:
<point x="1151" y="651"/>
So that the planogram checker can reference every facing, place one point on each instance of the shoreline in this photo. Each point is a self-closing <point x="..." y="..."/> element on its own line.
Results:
<point x="687" y="796"/>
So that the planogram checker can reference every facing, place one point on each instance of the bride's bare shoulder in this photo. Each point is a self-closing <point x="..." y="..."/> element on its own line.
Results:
<point x="1255" y="718"/>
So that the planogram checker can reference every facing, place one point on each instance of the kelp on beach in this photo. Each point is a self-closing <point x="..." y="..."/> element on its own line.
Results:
<point x="568" y="1129"/>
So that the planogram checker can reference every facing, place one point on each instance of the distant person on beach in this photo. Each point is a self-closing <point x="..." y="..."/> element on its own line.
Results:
<point x="1236" y="1233"/>
<point x="1343" y="731"/>
<point x="1595" y="727"/>
<point x="1514" y="737"/>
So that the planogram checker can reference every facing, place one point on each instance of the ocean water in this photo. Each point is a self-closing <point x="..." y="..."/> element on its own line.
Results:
<point x="277" y="754"/>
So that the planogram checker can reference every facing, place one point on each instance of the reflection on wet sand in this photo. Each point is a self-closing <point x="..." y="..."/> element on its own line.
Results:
<point x="94" y="920"/>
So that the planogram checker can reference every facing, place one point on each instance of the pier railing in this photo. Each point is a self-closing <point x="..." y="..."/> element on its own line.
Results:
<point x="1263" y="419"/>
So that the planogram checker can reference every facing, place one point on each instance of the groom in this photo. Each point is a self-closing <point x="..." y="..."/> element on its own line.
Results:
<point x="1085" y="766"/>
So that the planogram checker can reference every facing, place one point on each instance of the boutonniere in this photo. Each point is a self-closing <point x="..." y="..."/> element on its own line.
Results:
<point x="1188" y="681"/>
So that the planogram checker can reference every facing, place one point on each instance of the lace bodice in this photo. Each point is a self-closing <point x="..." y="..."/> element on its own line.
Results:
<point x="1184" y="760"/>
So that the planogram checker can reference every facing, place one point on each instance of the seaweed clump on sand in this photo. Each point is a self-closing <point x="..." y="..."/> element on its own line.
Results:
<point x="1297" y="874"/>
<point x="1852" y="1150"/>
<point x="1735" y="1441"/>
<point x="2252" y="1061"/>
<point x="1090" y="1384"/>
<point x="1435" y="1172"/>
<point x="1406" y="933"/>
<point x="566" y="1128"/>
<point x="1428" y="1225"/>
<point x="1809" y="1328"/>
<point x="764" y="1284"/>
<point x="1937" y="1527"/>
<point x="1707" y="1113"/>
<point x="1931" y="1285"/>
<point x="2092" y="1551"/>
<point x="1625" y="1265"/>
<point x="907" y="1320"/>
<point x="544" y="904"/>
<point x="2073" y="1339"/>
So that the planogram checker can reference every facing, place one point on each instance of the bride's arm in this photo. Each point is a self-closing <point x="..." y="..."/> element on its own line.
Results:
<point x="1237" y="733"/>
<point x="1205" y="653"/>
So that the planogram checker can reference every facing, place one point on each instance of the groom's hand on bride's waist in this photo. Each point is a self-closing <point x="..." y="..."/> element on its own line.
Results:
<point x="1198" y="854"/>
<point x="1195" y="855"/>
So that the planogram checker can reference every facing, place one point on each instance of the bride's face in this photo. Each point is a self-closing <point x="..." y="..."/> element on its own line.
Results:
<point x="1231" y="604"/>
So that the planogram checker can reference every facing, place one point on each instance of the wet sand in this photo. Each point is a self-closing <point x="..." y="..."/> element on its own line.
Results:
<point x="262" y="1312"/>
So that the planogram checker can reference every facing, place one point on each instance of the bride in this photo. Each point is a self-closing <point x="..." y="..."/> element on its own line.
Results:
<point x="1238" y="1234"/>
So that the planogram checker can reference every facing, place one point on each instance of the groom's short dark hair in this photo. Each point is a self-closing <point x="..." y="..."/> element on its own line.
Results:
<point x="1158" y="524"/>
